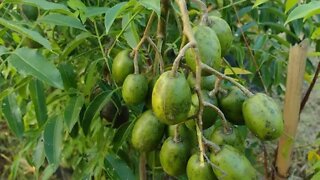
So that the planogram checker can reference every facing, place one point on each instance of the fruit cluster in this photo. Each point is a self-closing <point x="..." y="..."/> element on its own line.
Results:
<point x="183" y="118"/>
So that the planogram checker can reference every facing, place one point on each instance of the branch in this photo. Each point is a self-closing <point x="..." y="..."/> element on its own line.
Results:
<point x="222" y="76"/>
<point x="182" y="52"/>
<point x="225" y="123"/>
<point x="313" y="82"/>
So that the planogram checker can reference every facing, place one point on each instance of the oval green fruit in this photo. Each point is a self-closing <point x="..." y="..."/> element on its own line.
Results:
<point x="184" y="133"/>
<point x="199" y="171"/>
<point x="233" y="163"/>
<point x="122" y="66"/>
<point x="209" y="115"/>
<point x="223" y="31"/>
<point x="171" y="98"/>
<point x="174" y="156"/>
<point x="134" y="89"/>
<point x="147" y="132"/>
<point x="231" y="105"/>
<point x="207" y="82"/>
<point x="208" y="46"/>
<point x="263" y="116"/>
<point x="221" y="136"/>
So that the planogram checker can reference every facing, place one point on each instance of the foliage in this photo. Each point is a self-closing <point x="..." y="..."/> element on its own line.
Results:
<point x="55" y="72"/>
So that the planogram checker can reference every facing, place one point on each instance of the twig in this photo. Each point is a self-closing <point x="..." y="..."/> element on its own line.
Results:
<point x="215" y="147"/>
<point x="142" y="166"/>
<point x="214" y="166"/>
<point x="222" y="76"/>
<point x="176" y="133"/>
<point x="216" y="87"/>
<point x="187" y="30"/>
<point x="313" y="82"/>
<point x="182" y="52"/>
<point x="158" y="54"/>
<point x="144" y="37"/>
<point x="250" y="51"/>
<point x="225" y="123"/>
<point x="265" y="157"/>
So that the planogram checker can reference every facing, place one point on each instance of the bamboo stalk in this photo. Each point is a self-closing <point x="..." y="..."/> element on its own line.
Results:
<point x="296" y="69"/>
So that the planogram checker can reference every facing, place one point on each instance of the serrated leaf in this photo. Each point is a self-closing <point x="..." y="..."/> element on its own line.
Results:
<point x="30" y="62"/>
<point x="122" y="135"/>
<point x="259" y="2"/>
<point x="12" y="114"/>
<point x="236" y="70"/>
<point x="290" y="4"/>
<point x="38" y="154"/>
<point x="34" y="35"/>
<point x="112" y="14"/>
<point x="117" y="169"/>
<point x="94" y="108"/>
<point x="72" y="112"/>
<point x="131" y="34"/>
<point x="304" y="11"/>
<point x="39" y="101"/>
<point x="94" y="11"/>
<point x="68" y="75"/>
<point x="62" y="20"/>
<point x="153" y="5"/>
<point x="52" y="137"/>
<point x="46" y="5"/>
<point x="74" y="44"/>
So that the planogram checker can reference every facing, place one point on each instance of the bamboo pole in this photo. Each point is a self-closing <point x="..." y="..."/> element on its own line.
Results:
<point x="296" y="69"/>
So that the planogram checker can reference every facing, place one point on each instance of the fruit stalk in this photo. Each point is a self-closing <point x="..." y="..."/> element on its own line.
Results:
<point x="222" y="76"/>
<point x="225" y="123"/>
<point x="142" y="166"/>
<point x="187" y="30"/>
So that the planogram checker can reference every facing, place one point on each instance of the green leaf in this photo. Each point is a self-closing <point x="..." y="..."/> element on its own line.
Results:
<point x="259" y="2"/>
<point x="49" y="171"/>
<point x="72" y="112"/>
<point x="68" y="75"/>
<point x="112" y="14"/>
<point x="153" y="5"/>
<point x="38" y="154"/>
<point x="290" y="4"/>
<point x="279" y="27"/>
<point x="62" y="20"/>
<point x="94" y="108"/>
<point x="304" y="11"/>
<point x="74" y="44"/>
<point x="3" y="50"/>
<point x="131" y="34"/>
<point x="39" y="101"/>
<point x="12" y="113"/>
<point x="94" y="11"/>
<point x="122" y="135"/>
<point x="52" y="136"/>
<point x="34" y="35"/>
<point x="46" y="5"/>
<point x="316" y="34"/>
<point x="117" y="169"/>
<point x="30" y="62"/>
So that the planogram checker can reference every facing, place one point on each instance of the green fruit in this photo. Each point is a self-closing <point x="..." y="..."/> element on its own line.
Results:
<point x="263" y="116"/>
<point x="234" y="164"/>
<point x="209" y="115"/>
<point x="30" y="12"/>
<point x="134" y="89"/>
<point x="147" y="132"/>
<point x="153" y="159"/>
<point x="231" y="105"/>
<point x="208" y="46"/>
<point x="207" y="82"/>
<point x="171" y="98"/>
<point x="221" y="136"/>
<point x="122" y="66"/>
<point x="174" y="156"/>
<point x="223" y="31"/>
<point x="199" y="171"/>
<point x="151" y="84"/>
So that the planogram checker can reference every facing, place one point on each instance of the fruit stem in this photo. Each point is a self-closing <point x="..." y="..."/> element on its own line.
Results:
<point x="145" y="36"/>
<point x="216" y="87"/>
<point x="222" y="76"/>
<point x="176" y="137"/>
<point x="158" y="53"/>
<point x="215" y="147"/>
<point x="176" y="62"/>
<point x="142" y="166"/>
<point x="220" y="113"/>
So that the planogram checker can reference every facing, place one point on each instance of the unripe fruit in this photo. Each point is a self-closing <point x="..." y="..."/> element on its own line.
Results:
<point x="171" y="98"/>
<point x="174" y="156"/>
<point x="234" y="164"/>
<point x="147" y="132"/>
<point x="263" y="116"/>
<point x="199" y="171"/>
<point x="122" y="66"/>
<point x="208" y="46"/>
<point x="134" y="89"/>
